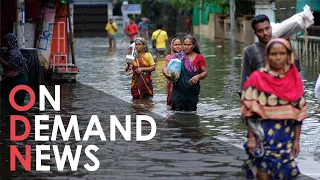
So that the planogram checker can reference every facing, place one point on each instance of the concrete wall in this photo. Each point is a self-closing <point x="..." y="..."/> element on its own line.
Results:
<point x="196" y="29"/>
<point x="220" y="28"/>
<point x="244" y="32"/>
<point x="204" y="30"/>
<point x="212" y="25"/>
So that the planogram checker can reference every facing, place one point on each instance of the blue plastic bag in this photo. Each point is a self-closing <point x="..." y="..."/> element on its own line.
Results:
<point x="174" y="66"/>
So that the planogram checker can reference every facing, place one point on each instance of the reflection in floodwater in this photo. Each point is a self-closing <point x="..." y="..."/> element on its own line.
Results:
<point x="111" y="51"/>
<point x="142" y="106"/>
<point x="186" y="125"/>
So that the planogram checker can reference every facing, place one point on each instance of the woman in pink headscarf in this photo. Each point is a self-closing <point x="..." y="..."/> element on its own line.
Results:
<point x="176" y="47"/>
<point x="273" y="105"/>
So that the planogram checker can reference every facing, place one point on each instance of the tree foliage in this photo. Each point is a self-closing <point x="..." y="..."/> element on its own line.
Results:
<point x="188" y="4"/>
<point x="242" y="6"/>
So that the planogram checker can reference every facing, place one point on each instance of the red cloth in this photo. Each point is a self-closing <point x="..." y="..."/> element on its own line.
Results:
<point x="132" y="28"/>
<point x="188" y="22"/>
<point x="289" y="88"/>
<point x="199" y="61"/>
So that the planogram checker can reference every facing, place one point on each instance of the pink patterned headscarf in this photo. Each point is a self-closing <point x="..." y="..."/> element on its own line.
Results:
<point x="172" y="53"/>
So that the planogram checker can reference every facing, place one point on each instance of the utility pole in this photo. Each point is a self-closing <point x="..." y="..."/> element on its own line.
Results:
<point x="71" y="33"/>
<point x="20" y="20"/>
<point x="232" y="38"/>
<point x="232" y="20"/>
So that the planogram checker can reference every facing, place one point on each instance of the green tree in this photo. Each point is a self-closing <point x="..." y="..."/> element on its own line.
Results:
<point x="188" y="4"/>
<point x="242" y="6"/>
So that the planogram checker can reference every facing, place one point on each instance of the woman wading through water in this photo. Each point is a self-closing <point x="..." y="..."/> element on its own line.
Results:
<point x="142" y="66"/>
<point x="273" y="105"/>
<point x="185" y="93"/>
<point x="176" y="47"/>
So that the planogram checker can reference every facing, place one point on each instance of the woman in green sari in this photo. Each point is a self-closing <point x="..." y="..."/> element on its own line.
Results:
<point x="185" y="94"/>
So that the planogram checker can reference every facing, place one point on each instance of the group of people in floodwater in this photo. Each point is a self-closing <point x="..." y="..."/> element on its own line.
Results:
<point x="183" y="93"/>
<point x="273" y="105"/>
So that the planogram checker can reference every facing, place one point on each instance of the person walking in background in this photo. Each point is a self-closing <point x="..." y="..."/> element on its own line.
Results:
<point x="159" y="38"/>
<point x="186" y="90"/>
<point x="132" y="31"/>
<point x="188" y="24"/>
<point x="15" y="70"/>
<point x="176" y="47"/>
<point x="143" y="28"/>
<point x="253" y="56"/>
<point x="273" y="105"/>
<point x="142" y="66"/>
<point x="112" y="29"/>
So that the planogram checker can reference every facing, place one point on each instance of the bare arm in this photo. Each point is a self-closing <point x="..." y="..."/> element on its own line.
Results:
<point x="204" y="72"/>
<point x="252" y="140"/>
<point x="203" y="75"/>
<point x="296" y="143"/>
<point x="165" y="71"/>
<point x="148" y="69"/>
<point x="129" y="73"/>
<point x="297" y="131"/>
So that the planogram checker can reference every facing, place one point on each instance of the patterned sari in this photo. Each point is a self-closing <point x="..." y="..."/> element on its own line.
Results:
<point x="185" y="96"/>
<point x="169" y="85"/>
<point x="172" y="55"/>
<point x="141" y="86"/>
<point x="278" y="102"/>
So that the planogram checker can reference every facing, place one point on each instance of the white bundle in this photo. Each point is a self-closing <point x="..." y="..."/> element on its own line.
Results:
<point x="133" y="51"/>
<point x="317" y="88"/>
<point x="294" y="24"/>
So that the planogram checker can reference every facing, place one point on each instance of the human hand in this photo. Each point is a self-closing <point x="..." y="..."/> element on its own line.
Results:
<point x="138" y="71"/>
<point x="295" y="149"/>
<point x="194" y="80"/>
<point x="252" y="144"/>
<point x="170" y="77"/>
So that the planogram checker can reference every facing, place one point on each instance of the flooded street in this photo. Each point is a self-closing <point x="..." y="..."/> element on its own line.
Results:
<point x="218" y="109"/>
<point x="205" y="145"/>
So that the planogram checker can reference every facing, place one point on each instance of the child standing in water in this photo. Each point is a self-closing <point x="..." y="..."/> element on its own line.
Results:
<point x="176" y="47"/>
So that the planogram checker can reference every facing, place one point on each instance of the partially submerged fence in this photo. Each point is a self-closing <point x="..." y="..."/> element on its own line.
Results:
<point x="308" y="49"/>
